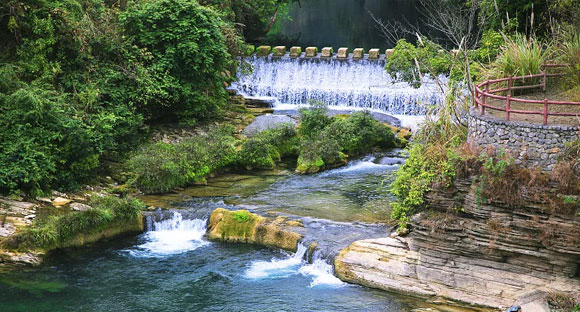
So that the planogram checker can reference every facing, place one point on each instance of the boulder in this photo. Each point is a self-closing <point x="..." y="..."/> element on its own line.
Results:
<point x="263" y="50"/>
<point x="79" y="207"/>
<point x="279" y="50"/>
<point x="242" y="226"/>
<point x="266" y="122"/>
<point x="60" y="201"/>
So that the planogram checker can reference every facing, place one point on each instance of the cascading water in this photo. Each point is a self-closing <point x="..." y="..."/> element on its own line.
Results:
<point x="321" y="272"/>
<point x="171" y="236"/>
<point x="345" y="84"/>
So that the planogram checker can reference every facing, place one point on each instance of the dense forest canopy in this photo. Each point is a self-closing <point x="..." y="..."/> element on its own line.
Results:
<point x="82" y="80"/>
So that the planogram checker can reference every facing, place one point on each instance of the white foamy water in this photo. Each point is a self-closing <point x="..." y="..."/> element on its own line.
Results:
<point x="339" y="84"/>
<point x="277" y="267"/>
<point x="172" y="236"/>
<point x="319" y="270"/>
<point x="322" y="272"/>
<point x="367" y="164"/>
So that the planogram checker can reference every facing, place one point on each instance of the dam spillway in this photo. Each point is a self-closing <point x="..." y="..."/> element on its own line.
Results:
<point x="353" y="84"/>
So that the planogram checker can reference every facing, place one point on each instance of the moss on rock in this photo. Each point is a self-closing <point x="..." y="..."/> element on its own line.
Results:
<point x="242" y="226"/>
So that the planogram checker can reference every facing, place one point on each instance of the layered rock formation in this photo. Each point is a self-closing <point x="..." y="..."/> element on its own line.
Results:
<point x="482" y="253"/>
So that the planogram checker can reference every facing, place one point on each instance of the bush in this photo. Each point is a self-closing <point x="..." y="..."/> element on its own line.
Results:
<point x="520" y="56"/>
<point x="189" y="55"/>
<point x="410" y="62"/>
<point x="43" y="143"/>
<point x="326" y="140"/>
<point x="162" y="167"/>
<point x="313" y="119"/>
<point x="263" y="150"/>
<point x="56" y="231"/>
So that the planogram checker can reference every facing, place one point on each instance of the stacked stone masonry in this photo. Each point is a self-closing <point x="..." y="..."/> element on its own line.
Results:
<point x="533" y="145"/>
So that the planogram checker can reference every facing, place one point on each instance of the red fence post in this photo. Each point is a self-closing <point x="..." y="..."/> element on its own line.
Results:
<point x="507" y="107"/>
<point x="476" y="96"/>
<point x="545" y="111"/>
<point x="544" y="81"/>
<point x="510" y="84"/>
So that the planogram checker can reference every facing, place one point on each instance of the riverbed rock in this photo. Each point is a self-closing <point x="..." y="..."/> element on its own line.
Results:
<point x="60" y="201"/>
<point x="80" y="207"/>
<point x="242" y="226"/>
<point x="266" y="122"/>
<point x="489" y="254"/>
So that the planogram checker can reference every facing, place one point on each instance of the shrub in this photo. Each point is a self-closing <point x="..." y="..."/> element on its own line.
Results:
<point x="326" y="140"/>
<point x="520" y="56"/>
<point x="313" y="119"/>
<point x="267" y="147"/>
<point x="189" y="55"/>
<point x="410" y="62"/>
<point x="43" y="143"/>
<point x="56" y="231"/>
<point x="162" y="167"/>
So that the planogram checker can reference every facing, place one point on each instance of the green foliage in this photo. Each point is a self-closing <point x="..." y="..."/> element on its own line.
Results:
<point x="188" y="51"/>
<point x="162" y="167"/>
<point x="255" y="15"/>
<point x="56" y="230"/>
<point x="568" y="52"/>
<point x="241" y="216"/>
<point x="410" y="62"/>
<point x="40" y="143"/>
<point x="325" y="140"/>
<point x="433" y="159"/>
<point x="519" y="13"/>
<point x="313" y="119"/>
<point x="267" y="147"/>
<point x="489" y="47"/>
<point x="520" y="56"/>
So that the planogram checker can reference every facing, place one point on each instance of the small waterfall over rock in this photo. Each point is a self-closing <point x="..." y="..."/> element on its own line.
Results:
<point x="321" y="272"/>
<point x="171" y="236"/>
<point x="345" y="84"/>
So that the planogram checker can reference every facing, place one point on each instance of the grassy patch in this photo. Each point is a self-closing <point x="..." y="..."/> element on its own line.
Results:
<point x="60" y="230"/>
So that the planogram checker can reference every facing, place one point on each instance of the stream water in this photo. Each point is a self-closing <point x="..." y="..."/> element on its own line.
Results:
<point x="171" y="267"/>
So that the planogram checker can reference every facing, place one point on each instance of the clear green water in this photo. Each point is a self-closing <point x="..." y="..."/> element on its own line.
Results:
<point x="173" y="268"/>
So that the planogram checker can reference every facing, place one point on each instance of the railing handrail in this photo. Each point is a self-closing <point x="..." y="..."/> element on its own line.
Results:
<point x="482" y="95"/>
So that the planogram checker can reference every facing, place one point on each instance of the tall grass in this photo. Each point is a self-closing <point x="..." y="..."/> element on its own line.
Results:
<point x="520" y="56"/>
<point x="569" y="53"/>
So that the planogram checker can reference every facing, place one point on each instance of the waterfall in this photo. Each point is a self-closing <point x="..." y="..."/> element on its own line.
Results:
<point x="320" y="270"/>
<point x="171" y="236"/>
<point x="344" y="84"/>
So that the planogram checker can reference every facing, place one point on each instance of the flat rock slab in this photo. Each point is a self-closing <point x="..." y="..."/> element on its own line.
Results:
<point x="266" y="122"/>
<point x="16" y="208"/>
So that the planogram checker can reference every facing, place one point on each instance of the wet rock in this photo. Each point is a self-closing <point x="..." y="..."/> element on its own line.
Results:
<point x="242" y="226"/>
<point x="79" y="207"/>
<point x="266" y="122"/>
<point x="60" y="201"/>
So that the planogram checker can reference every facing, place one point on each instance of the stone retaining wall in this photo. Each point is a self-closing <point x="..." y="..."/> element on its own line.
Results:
<point x="533" y="145"/>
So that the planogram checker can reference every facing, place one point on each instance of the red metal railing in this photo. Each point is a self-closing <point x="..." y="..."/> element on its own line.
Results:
<point x="483" y="91"/>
